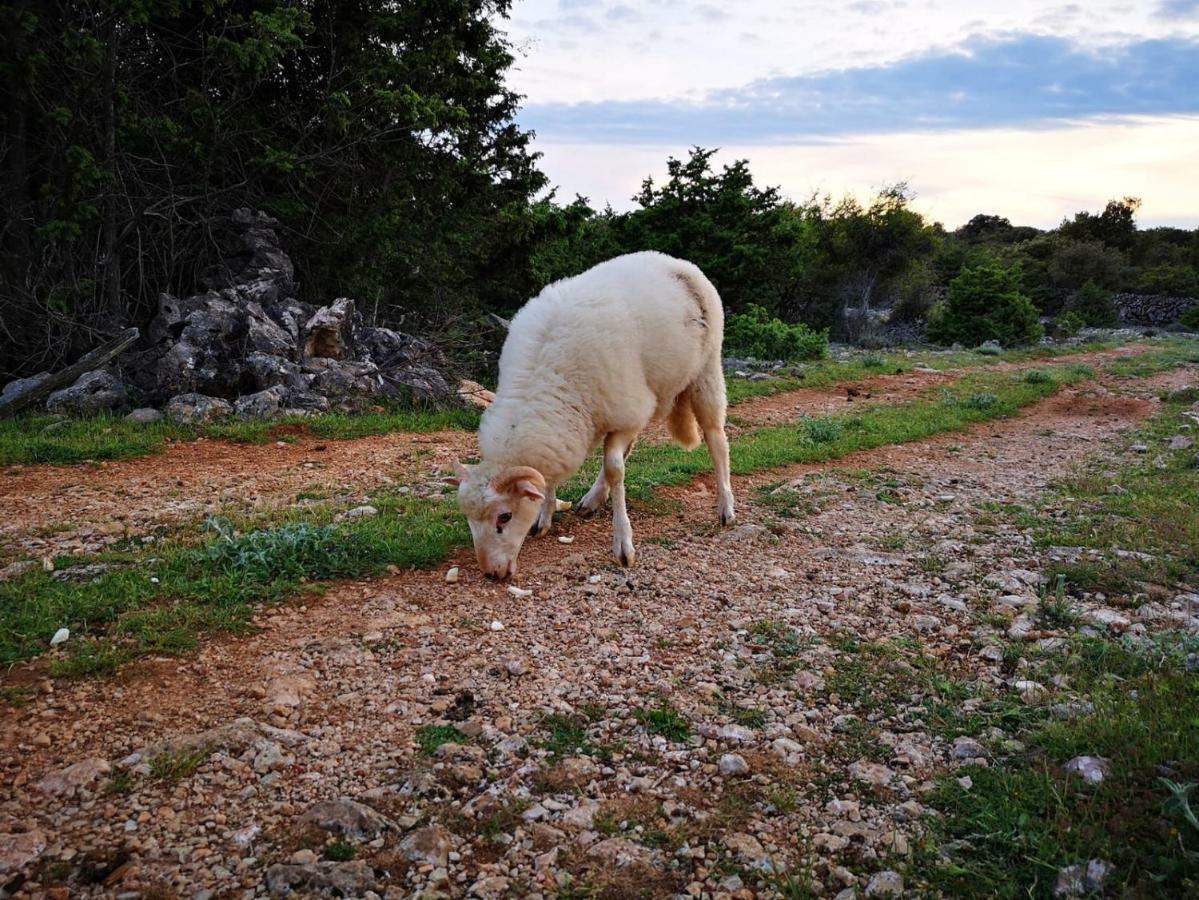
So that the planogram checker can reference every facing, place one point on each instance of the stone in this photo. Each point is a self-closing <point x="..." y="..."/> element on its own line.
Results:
<point x="91" y="394"/>
<point x="737" y="734"/>
<point x="885" y="884"/>
<point x="264" y="404"/>
<point x="197" y="409"/>
<point x="15" y="570"/>
<point x="144" y="415"/>
<point x="20" y="849"/>
<point x="733" y="764"/>
<point x="619" y="853"/>
<point x="322" y="879"/>
<point x="428" y="846"/>
<point x="473" y="394"/>
<point x="362" y="512"/>
<point x="1083" y="879"/>
<point x="352" y="820"/>
<point x="1091" y="769"/>
<point x="872" y="773"/>
<point x="967" y="748"/>
<point x="1178" y="442"/>
<point x="327" y="333"/>
<point x="78" y="775"/>
<point x="745" y="847"/>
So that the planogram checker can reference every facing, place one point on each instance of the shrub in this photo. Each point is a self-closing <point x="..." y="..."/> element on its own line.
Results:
<point x="1190" y="318"/>
<point x="1068" y="324"/>
<point x="985" y="304"/>
<point x="1036" y="376"/>
<point x="822" y="431"/>
<point x="756" y="334"/>
<point x="1172" y="280"/>
<point x="873" y="360"/>
<point x="1093" y="305"/>
<point x="982" y="400"/>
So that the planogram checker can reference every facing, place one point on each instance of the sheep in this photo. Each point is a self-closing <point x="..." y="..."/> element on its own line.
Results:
<point x="590" y="362"/>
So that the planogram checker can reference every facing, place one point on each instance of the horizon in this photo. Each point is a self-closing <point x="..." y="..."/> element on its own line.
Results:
<point x="1014" y="109"/>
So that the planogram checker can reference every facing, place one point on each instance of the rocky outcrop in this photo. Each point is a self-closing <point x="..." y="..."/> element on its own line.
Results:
<point x="248" y="342"/>
<point x="1151" y="309"/>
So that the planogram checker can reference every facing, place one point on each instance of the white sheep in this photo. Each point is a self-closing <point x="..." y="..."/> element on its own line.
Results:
<point x="591" y="361"/>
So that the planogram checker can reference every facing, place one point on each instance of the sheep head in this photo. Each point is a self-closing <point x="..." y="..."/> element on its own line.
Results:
<point x="501" y="505"/>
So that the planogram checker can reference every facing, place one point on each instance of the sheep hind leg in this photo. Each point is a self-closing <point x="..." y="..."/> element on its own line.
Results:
<point x="709" y="403"/>
<point x="616" y="447"/>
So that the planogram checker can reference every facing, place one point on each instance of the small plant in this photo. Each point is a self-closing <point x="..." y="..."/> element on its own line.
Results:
<point x="824" y="430"/>
<point x="1179" y="801"/>
<point x="756" y="334"/>
<point x="565" y="735"/>
<point x="1036" y="376"/>
<point x="1068" y="324"/>
<point x="430" y="737"/>
<point x="982" y="401"/>
<point x="665" y="720"/>
<point x="873" y="360"/>
<point x="173" y="765"/>
<point x="1093" y="305"/>
<point x="988" y="350"/>
<point x="340" y="851"/>
<point x="1056" y="611"/>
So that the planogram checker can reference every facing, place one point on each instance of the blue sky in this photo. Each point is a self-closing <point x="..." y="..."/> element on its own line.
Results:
<point x="970" y="102"/>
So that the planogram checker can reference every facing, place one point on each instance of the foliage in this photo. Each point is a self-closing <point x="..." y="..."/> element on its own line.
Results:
<point x="1190" y="318"/>
<point x="985" y="304"/>
<point x="1074" y="263"/>
<point x="1093" y="305"/>
<point x="1068" y="324"/>
<point x="756" y="335"/>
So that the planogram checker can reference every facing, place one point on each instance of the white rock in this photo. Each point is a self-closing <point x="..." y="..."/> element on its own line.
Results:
<point x="566" y="539"/>
<point x="60" y="637"/>
<point x="1083" y="879"/>
<point x="451" y="575"/>
<point x="733" y="764"/>
<point x="885" y="884"/>
<point x="362" y="512"/>
<point x="519" y="593"/>
<point x="497" y="625"/>
<point x="1091" y="769"/>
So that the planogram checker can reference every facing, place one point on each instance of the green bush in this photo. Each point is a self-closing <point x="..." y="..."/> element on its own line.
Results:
<point x="1093" y="305"/>
<point x="985" y="304"/>
<point x="1036" y="376"/>
<point x="755" y="334"/>
<point x="1190" y="318"/>
<point x="1068" y="324"/>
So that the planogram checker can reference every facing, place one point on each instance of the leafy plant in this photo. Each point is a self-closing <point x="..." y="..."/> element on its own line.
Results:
<point x="985" y="304"/>
<point x="756" y="334"/>
<point x="1093" y="305"/>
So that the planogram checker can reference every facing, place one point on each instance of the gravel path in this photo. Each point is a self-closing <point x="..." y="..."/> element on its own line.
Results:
<point x="705" y="725"/>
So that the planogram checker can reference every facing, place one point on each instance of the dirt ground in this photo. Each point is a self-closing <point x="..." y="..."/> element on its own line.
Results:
<point x="203" y="776"/>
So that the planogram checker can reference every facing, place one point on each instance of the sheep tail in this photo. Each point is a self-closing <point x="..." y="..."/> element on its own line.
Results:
<point x="681" y="422"/>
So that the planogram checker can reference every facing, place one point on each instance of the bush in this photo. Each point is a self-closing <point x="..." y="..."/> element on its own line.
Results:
<point x="1190" y="318"/>
<point x="1068" y="324"/>
<point x="1171" y="280"/>
<point x="1036" y="376"/>
<point x="755" y="334"/>
<point x="985" y="304"/>
<point x="1093" y="305"/>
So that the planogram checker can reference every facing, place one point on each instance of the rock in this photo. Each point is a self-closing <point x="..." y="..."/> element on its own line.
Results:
<point x="362" y="512"/>
<point x="967" y="748"/>
<point x="733" y="764"/>
<point x="1092" y="769"/>
<point x="144" y="415"/>
<point x="91" y="394"/>
<point x="471" y="393"/>
<point x="885" y="884"/>
<point x="429" y="846"/>
<point x="21" y="385"/>
<point x="619" y="853"/>
<point x="264" y="404"/>
<point x="79" y="775"/>
<point x="20" y="849"/>
<point x="516" y="668"/>
<point x="1178" y="442"/>
<point x="60" y="637"/>
<point x="322" y="879"/>
<point x="451" y="575"/>
<point x="519" y="593"/>
<point x="746" y="533"/>
<point x="15" y="570"/>
<point x="578" y="770"/>
<point x="327" y="333"/>
<point x="737" y="734"/>
<point x="490" y="887"/>
<point x="871" y="773"/>
<point x="1140" y="448"/>
<point x="197" y="409"/>
<point x="1083" y="879"/>
<point x="348" y="818"/>
<point x="745" y="847"/>
<point x="1106" y="618"/>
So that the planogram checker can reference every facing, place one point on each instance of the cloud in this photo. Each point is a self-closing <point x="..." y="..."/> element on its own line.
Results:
<point x="1012" y="80"/>
<point x="1173" y="9"/>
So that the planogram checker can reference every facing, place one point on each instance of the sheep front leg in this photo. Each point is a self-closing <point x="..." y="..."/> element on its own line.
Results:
<point x="615" y="447"/>
<point x="593" y="501"/>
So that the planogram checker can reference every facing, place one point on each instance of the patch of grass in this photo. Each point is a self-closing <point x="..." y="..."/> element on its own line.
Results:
<point x="340" y="851"/>
<point x="172" y="766"/>
<point x="1024" y="820"/>
<point x="430" y="737"/>
<point x="1055" y="609"/>
<point x="565" y="735"/>
<point x="665" y="720"/>
<point x="16" y="696"/>
<point x="31" y="440"/>
<point x="1171" y="354"/>
<point x="1036" y="376"/>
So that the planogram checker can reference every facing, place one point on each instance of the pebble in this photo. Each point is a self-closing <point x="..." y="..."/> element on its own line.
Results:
<point x="733" y="764"/>
<point x="60" y="637"/>
<point x="497" y="625"/>
<point x="519" y="593"/>
<point x="451" y="575"/>
<point x="885" y="884"/>
<point x="362" y="512"/>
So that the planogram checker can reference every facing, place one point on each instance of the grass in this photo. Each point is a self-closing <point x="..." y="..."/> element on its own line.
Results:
<point x="430" y="737"/>
<point x="664" y="720"/>
<point x="28" y="440"/>
<point x="1025" y="819"/>
<point x="565" y="735"/>
<point x="173" y="766"/>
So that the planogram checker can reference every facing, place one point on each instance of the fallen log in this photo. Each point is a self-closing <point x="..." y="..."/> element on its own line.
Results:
<point x="89" y="362"/>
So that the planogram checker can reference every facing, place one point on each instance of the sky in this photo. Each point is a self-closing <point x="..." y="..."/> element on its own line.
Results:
<point x="1023" y="109"/>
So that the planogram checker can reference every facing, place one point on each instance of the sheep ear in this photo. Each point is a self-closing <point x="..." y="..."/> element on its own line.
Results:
<point x="461" y="474"/>
<point x="524" y="480"/>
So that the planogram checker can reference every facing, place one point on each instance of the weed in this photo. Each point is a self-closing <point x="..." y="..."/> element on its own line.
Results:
<point x="985" y="400"/>
<point x="340" y="851"/>
<point x="1036" y="376"/>
<point x="430" y="737"/>
<point x="174" y="765"/>
<point x="565" y="735"/>
<point x="824" y="430"/>
<point x="665" y="720"/>
<point x="1056" y="610"/>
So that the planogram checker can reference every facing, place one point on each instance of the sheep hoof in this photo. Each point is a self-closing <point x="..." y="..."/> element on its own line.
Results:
<point x="625" y="553"/>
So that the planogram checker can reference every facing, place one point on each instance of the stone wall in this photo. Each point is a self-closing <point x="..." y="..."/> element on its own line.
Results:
<point x="1151" y="309"/>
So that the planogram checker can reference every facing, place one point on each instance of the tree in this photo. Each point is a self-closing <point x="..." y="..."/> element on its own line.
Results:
<point x="1093" y="305"/>
<point x="985" y="304"/>
<point x="1116" y="226"/>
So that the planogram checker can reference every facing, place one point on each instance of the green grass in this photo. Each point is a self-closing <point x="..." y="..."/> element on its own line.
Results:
<point x="1169" y="353"/>
<point x="430" y="737"/>
<point x="665" y="720"/>
<point x="1025" y="819"/>
<point x="172" y="766"/>
<point x="25" y="439"/>
<point x="565" y="735"/>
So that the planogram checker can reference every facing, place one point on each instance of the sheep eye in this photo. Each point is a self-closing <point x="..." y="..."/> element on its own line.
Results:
<point x="501" y="520"/>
